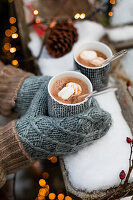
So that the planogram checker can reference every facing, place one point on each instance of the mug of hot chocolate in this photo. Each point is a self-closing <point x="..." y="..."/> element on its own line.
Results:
<point x="90" y="58"/>
<point x="67" y="94"/>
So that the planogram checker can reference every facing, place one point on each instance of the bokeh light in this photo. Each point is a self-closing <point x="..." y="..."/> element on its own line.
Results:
<point x="82" y="16"/>
<point x="12" y="20"/>
<point x="7" y="46"/>
<point x="77" y="16"/>
<point x="60" y="196"/>
<point x="12" y="49"/>
<point x="15" y="63"/>
<point x="52" y="196"/>
<point x="42" y="182"/>
<point x="8" y="33"/>
<point x="112" y="1"/>
<point x="110" y="14"/>
<point x="45" y="175"/>
<point x="68" y="198"/>
<point x="35" y="12"/>
<point x="14" y="35"/>
<point x="13" y="29"/>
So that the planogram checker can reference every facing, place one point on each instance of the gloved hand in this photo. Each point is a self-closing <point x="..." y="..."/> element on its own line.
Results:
<point x="27" y="91"/>
<point x="43" y="136"/>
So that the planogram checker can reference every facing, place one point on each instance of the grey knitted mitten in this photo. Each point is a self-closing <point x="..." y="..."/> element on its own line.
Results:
<point x="43" y="136"/>
<point x="28" y="91"/>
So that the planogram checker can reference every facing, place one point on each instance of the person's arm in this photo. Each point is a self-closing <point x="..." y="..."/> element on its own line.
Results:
<point x="11" y="80"/>
<point x="17" y="89"/>
<point x="12" y="154"/>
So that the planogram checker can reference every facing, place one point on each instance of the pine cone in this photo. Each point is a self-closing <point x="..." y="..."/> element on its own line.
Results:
<point x="61" y="39"/>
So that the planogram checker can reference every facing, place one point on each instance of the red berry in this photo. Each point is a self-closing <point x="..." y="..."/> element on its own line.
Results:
<point x="129" y="140"/>
<point x="128" y="83"/>
<point x="122" y="175"/>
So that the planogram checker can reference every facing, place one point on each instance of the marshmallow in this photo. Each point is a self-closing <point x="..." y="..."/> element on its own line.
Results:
<point x="66" y="92"/>
<point x="98" y="61"/>
<point x="88" y="55"/>
<point x="77" y="88"/>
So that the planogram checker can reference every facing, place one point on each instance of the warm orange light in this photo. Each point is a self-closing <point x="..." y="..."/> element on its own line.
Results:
<point x="8" y="32"/>
<point x="68" y="198"/>
<point x="37" y="21"/>
<point x="53" y="159"/>
<point x="12" y="20"/>
<point x="14" y="35"/>
<point x="47" y="187"/>
<point x="60" y="196"/>
<point x="45" y="175"/>
<point x="12" y="49"/>
<point x="52" y="24"/>
<point x="42" y="192"/>
<point x="52" y="196"/>
<point x="110" y="14"/>
<point x="42" y="182"/>
<point x="112" y="1"/>
<point x="40" y="197"/>
<point x="13" y="29"/>
<point x="7" y="46"/>
<point x="35" y="12"/>
<point x="10" y="1"/>
<point x="77" y="16"/>
<point x="15" y="62"/>
<point x="82" y="16"/>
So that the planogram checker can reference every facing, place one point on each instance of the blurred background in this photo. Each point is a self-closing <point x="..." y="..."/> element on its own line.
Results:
<point x="24" y="25"/>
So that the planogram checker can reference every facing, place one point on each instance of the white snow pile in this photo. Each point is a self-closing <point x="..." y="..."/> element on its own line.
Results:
<point x="120" y="34"/>
<point x="98" y="165"/>
<point x="123" y="13"/>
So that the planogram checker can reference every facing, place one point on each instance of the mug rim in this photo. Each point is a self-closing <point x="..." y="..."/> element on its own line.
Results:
<point x="95" y="42"/>
<point x="82" y="102"/>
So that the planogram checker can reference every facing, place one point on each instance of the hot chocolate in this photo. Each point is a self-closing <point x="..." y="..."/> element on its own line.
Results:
<point x="91" y="58"/>
<point x="69" y="90"/>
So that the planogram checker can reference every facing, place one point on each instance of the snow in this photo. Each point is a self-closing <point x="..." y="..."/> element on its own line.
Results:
<point x="98" y="165"/>
<point x="127" y="198"/>
<point x="87" y="31"/>
<point x="127" y="62"/>
<point x="121" y="33"/>
<point x="123" y="12"/>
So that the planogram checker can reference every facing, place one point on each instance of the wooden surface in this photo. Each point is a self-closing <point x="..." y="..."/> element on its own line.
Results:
<point x="123" y="93"/>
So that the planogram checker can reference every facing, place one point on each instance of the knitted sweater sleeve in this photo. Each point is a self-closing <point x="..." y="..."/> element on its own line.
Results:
<point x="11" y="79"/>
<point x="12" y="154"/>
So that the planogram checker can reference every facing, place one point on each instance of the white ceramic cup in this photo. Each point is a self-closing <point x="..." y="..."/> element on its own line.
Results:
<point x="97" y="75"/>
<point x="60" y="109"/>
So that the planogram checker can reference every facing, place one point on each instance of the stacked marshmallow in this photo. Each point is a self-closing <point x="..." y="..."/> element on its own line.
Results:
<point x="70" y="89"/>
<point x="91" y="56"/>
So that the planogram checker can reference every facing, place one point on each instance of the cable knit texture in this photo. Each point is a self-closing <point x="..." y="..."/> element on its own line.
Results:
<point x="12" y="154"/>
<point x="43" y="136"/>
<point x="11" y="80"/>
<point x="27" y="91"/>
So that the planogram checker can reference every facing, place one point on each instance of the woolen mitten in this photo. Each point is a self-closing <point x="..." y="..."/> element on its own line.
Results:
<point x="43" y="136"/>
<point x="27" y="91"/>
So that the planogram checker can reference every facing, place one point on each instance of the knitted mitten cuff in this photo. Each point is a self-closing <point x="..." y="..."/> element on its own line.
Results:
<point x="27" y="92"/>
<point x="11" y="80"/>
<point x="13" y="156"/>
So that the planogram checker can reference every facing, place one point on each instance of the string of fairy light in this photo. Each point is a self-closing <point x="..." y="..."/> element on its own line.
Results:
<point x="11" y="34"/>
<point x="44" y="190"/>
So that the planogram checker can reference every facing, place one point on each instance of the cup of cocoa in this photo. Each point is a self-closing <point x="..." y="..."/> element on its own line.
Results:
<point x="89" y="58"/>
<point x="67" y="94"/>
